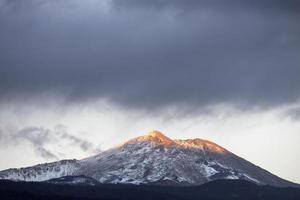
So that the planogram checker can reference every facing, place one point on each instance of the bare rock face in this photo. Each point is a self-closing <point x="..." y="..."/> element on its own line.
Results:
<point x="154" y="159"/>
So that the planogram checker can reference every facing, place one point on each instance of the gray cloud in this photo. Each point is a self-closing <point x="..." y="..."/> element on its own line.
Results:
<point x="161" y="53"/>
<point x="44" y="153"/>
<point x="293" y="113"/>
<point x="40" y="138"/>
<point x="61" y="131"/>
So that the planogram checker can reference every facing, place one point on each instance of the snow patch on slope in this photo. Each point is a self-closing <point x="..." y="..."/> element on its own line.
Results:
<point x="41" y="172"/>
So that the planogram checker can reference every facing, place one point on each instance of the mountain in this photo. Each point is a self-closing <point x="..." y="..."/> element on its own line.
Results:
<point x="154" y="159"/>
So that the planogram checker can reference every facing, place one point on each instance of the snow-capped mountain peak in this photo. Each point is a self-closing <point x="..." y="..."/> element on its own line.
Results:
<point x="154" y="159"/>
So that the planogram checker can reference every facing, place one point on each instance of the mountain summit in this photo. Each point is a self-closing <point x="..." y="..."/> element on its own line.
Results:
<point x="154" y="159"/>
<point x="154" y="137"/>
<point x="159" y="138"/>
<point x="157" y="134"/>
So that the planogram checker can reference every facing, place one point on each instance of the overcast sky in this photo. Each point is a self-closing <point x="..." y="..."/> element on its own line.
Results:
<point x="79" y="76"/>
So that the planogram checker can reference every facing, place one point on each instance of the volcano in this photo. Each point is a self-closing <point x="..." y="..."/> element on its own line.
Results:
<point x="153" y="159"/>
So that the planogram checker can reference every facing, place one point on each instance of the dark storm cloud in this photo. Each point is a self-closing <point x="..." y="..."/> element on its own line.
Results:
<point x="246" y="5"/>
<point x="183" y="53"/>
